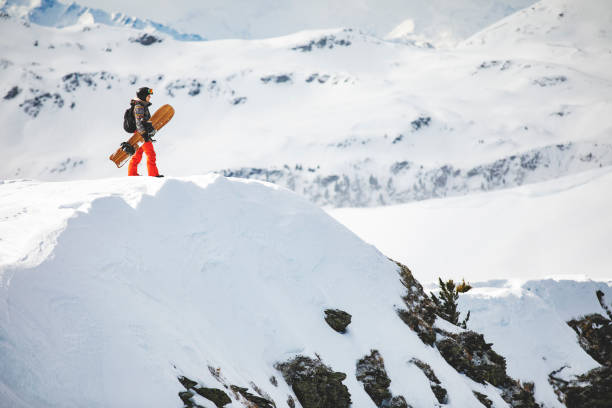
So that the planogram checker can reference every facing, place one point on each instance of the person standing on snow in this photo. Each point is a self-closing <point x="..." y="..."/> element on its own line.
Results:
<point x="145" y="128"/>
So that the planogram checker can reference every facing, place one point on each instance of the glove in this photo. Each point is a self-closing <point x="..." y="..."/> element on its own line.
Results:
<point x="149" y="132"/>
<point x="128" y="148"/>
<point x="148" y="137"/>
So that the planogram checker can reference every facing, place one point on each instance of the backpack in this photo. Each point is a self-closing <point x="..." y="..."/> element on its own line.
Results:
<point x="129" y="122"/>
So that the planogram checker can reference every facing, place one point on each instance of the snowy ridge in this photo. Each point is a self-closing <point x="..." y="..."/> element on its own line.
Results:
<point x="120" y="307"/>
<point x="408" y="181"/>
<point x="56" y="13"/>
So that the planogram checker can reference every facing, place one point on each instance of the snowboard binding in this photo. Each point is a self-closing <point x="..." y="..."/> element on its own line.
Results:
<point x="128" y="148"/>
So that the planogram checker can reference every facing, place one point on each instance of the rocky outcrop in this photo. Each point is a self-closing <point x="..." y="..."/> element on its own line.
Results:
<point x="439" y="391"/>
<point x="484" y="400"/>
<point x="315" y="385"/>
<point x="337" y="319"/>
<point x="217" y="396"/>
<point x="467" y="352"/>
<point x="254" y="400"/>
<point x="419" y="313"/>
<point x="595" y="336"/>
<point x="592" y="389"/>
<point x="371" y="372"/>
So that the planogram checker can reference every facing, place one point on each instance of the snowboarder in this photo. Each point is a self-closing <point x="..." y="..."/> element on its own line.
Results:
<point x="145" y="128"/>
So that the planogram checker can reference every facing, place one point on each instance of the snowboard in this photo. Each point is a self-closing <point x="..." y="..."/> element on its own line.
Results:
<point x="158" y="120"/>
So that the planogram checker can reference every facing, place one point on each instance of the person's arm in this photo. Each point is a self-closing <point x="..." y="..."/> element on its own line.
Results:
<point x="139" y="112"/>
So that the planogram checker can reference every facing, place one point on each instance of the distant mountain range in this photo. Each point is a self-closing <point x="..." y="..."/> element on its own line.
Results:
<point x="54" y="13"/>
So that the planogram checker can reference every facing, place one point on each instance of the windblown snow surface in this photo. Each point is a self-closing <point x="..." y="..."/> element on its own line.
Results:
<point x="111" y="289"/>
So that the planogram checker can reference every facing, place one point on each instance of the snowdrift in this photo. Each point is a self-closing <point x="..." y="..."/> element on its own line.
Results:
<point x="117" y="288"/>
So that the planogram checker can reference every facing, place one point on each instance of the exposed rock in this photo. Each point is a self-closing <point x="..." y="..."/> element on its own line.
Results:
<point x="187" y="383"/>
<point x="420" y="122"/>
<point x="185" y="396"/>
<point x="398" y="402"/>
<point x="371" y="372"/>
<point x="329" y="41"/>
<point x="315" y="385"/>
<point x="258" y="402"/>
<point x="550" y="81"/>
<point x="279" y="79"/>
<point x="600" y="296"/>
<point x="466" y="352"/>
<point x="419" y="313"/>
<point x="595" y="336"/>
<point x="593" y="389"/>
<point x="13" y="92"/>
<point x="439" y="391"/>
<point x="469" y="354"/>
<point x="217" y="396"/>
<point x="146" y="39"/>
<point x="483" y="399"/>
<point x="337" y="319"/>
<point x="405" y="181"/>
<point x="34" y="105"/>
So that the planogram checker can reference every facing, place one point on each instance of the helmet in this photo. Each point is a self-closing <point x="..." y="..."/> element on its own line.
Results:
<point x="143" y="93"/>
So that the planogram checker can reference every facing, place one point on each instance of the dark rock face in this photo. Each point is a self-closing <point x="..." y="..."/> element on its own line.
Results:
<point x="315" y="385"/>
<point x="146" y="39"/>
<point x="329" y="41"/>
<point x="34" y="105"/>
<point x="466" y="352"/>
<point x="593" y="389"/>
<point x="420" y="122"/>
<point x="217" y="396"/>
<point x="419" y="313"/>
<point x="595" y="336"/>
<point x="439" y="391"/>
<point x="484" y="400"/>
<point x="371" y="372"/>
<point x="279" y="79"/>
<point x="469" y="354"/>
<point x="13" y="92"/>
<point x="337" y="319"/>
<point x="256" y="402"/>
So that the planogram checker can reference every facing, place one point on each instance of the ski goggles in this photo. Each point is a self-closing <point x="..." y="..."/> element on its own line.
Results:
<point x="150" y="91"/>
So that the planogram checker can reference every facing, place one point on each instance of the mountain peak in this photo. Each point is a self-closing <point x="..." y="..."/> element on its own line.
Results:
<point x="56" y="13"/>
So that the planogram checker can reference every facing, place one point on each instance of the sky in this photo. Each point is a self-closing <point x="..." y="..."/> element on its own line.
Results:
<point x="268" y="18"/>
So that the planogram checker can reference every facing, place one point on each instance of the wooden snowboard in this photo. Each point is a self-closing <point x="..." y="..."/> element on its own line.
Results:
<point x="159" y="120"/>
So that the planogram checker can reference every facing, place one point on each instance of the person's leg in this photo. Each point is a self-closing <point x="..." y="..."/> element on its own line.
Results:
<point x="133" y="166"/>
<point x="150" y="152"/>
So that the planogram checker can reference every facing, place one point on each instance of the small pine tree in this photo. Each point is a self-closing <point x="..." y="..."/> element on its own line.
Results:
<point x="446" y="305"/>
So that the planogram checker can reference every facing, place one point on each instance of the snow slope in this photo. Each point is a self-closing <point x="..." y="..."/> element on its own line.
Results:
<point x="339" y="116"/>
<point x="200" y="272"/>
<point x="559" y="228"/>
<point x="133" y="282"/>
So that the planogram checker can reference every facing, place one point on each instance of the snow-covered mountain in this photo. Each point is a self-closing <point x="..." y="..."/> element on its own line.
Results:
<point x="54" y="13"/>
<point x="339" y="116"/>
<point x="138" y="291"/>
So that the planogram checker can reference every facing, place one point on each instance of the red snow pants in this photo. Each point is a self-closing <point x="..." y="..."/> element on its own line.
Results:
<point x="147" y="148"/>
